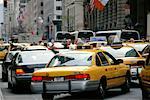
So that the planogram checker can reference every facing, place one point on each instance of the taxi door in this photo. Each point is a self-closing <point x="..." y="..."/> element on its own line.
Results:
<point x="118" y="69"/>
<point x="110" y="71"/>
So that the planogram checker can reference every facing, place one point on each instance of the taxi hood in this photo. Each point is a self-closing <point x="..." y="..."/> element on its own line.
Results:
<point x="61" y="71"/>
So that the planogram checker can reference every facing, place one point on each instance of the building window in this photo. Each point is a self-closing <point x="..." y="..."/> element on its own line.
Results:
<point x="41" y="4"/>
<point x="58" y="17"/>
<point x="110" y="25"/>
<point x="58" y="8"/>
<point x="42" y="12"/>
<point x="115" y="24"/>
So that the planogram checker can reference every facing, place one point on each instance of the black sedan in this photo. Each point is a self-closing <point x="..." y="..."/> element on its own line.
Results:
<point x="23" y="65"/>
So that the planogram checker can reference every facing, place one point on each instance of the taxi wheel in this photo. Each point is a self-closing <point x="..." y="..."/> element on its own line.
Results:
<point x="144" y="94"/>
<point x="4" y="77"/>
<point x="9" y="85"/>
<point x="126" y="86"/>
<point x="16" y="88"/>
<point x="47" y="96"/>
<point x="102" y="89"/>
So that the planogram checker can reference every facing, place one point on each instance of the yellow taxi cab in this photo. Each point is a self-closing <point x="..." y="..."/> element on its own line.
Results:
<point x="141" y="46"/>
<point x="145" y="79"/>
<point x="82" y="71"/>
<point x="3" y="50"/>
<point x="129" y="55"/>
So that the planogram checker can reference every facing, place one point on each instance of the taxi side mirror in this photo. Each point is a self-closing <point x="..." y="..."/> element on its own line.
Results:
<point x="119" y="61"/>
<point x="141" y="63"/>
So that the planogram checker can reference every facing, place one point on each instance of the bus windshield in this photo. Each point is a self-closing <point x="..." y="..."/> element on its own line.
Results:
<point x="64" y="36"/>
<point x="129" y="35"/>
<point x="85" y="35"/>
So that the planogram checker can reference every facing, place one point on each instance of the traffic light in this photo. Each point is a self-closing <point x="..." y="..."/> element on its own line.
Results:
<point x="5" y="3"/>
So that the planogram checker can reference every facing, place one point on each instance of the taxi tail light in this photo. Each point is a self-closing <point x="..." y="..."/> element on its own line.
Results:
<point x="20" y="71"/>
<point x="40" y="78"/>
<point x="36" y="78"/>
<point x="78" y="77"/>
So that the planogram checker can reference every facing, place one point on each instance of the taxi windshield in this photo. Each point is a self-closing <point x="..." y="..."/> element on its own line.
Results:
<point x="71" y="59"/>
<point x="122" y="52"/>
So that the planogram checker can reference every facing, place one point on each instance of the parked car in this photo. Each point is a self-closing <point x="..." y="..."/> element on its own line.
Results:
<point x="23" y="65"/>
<point x="81" y="71"/>
<point x="7" y="62"/>
<point x="145" y="79"/>
<point x="129" y="55"/>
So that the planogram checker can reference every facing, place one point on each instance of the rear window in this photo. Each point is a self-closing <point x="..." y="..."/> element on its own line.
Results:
<point x="129" y="35"/>
<point x="71" y="59"/>
<point x="122" y="52"/>
<point x="35" y="57"/>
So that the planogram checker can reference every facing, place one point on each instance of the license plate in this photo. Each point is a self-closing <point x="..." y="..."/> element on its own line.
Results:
<point x="59" y="79"/>
<point x="135" y="67"/>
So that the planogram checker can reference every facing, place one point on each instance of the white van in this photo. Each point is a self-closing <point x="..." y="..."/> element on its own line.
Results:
<point x="83" y="35"/>
<point x="113" y="36"/>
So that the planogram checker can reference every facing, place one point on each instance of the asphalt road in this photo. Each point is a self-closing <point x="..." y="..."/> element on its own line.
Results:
<point x="113" y="94"/>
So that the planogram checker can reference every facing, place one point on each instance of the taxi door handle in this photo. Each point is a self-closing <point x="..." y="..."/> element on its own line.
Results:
<point x="105" y="69"/>
<point x="115" y="68"/>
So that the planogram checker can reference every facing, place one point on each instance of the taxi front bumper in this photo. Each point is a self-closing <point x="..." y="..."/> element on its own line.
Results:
<point x="64" y="86"/>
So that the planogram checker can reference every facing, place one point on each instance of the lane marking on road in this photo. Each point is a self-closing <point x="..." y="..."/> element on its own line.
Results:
<point x="1" y="95"/>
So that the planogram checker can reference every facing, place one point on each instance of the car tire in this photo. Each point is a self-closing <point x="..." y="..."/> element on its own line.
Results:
<point x="101" y="91"/>
<point x="16" y="87"/>
<point x="4" y="77"/>
<point x="9" y="85"/>
<point x="144" y="94"/>
<point x="47" y="96"/>
<point x="126" y="86"/>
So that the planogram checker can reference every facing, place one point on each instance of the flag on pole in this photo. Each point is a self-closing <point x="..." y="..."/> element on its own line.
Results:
<point x="99" y="4"/>
<point x="91" y="7"/>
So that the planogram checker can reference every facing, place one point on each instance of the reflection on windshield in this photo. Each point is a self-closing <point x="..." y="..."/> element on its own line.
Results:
<point x="72" y="59"/>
